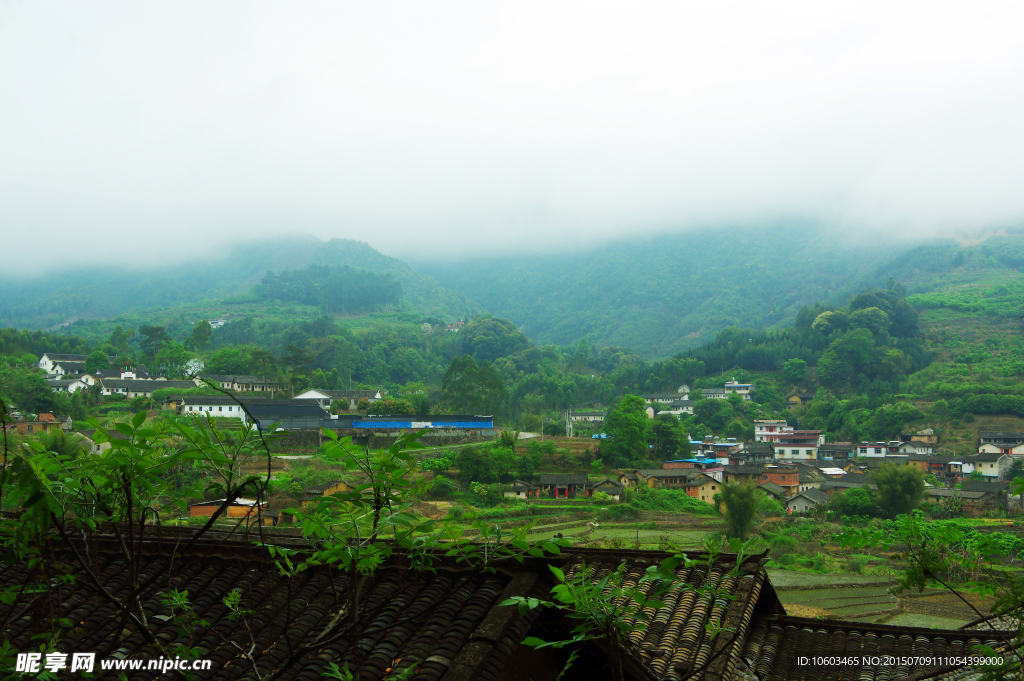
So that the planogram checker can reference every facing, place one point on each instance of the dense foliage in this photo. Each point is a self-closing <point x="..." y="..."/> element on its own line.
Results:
<point x="334" y="289"/>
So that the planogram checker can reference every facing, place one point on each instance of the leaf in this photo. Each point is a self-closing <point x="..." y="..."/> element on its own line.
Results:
<point x="557" y="572"/>
<point x="138" y="419"/>
<point x="124" y="429"/>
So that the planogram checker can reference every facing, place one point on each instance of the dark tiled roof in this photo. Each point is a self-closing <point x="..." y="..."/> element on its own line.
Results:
<point x="945" y="492"/>
<point x="564" y="479"/>
<point x="139" y="385"/>
<point x="986" y="456"/>
<point x="447" y="622"/>
<point x="814" y="495"/>
<point x="774" y="644"/>
<point x="771" y="487"/>
<point x="744" y="470"/>
<point x="55" y="357"/>
<point x="985" y="486"/>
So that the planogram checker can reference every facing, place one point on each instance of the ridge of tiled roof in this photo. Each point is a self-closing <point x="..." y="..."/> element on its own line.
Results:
<point x="449" y="623"/>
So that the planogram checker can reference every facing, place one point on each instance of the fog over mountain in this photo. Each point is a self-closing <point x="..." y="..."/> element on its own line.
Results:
<point x="144" y="134"/>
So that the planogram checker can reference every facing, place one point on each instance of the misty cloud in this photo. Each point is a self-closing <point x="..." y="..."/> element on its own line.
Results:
<point x="460" y="127"/>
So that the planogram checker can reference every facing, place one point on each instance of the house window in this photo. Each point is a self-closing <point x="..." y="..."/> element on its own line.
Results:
<point x="220" y="408"/>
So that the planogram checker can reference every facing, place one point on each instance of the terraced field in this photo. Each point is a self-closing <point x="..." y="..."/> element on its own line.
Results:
<point x="864" y="598"/>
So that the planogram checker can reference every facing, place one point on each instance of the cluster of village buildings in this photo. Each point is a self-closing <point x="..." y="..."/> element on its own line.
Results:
<point x="804" y="472"/>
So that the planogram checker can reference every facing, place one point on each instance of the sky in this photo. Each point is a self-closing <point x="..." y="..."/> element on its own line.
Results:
<point x="148" y="131"/>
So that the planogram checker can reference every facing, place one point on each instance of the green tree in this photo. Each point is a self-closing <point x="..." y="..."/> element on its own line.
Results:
<point x="470" y="388"/>
<point x="669" y="437"/>
<point x="489" y="338"/>
<point x="475" y="465"/>
<point x="899" y="488"/>
<point x="152" y="339"/>
<point x="391" y="407"/>
<point x="173" y="359"/>
<point x="871" y="318"/>
<point x="740" y="508"/>
<point x="233" y="359"/>
<point x="629" y="427"/>
<point x="715" y="414"/>
<point x="262" y="360"/>
<point x="96" y="361"/>
<point x="119" y="339"/>
<point x="794" y="370"/>
<point x="201" y="336"/>
<point x="856" y="501"/>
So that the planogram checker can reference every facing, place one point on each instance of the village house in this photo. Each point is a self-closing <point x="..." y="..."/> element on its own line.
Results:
<point x="777" y="492"/>
<point x="141" y="388"/>
<point x="311" y="495"/>
<point x="676" y="408"/>
<point x="848" y="481"/>
<point x="744" y="390"/>
<point x="703" y="487"/>
<point x="564" y="485"/>
<point x="836" y="451"/>
<point x="925" y="435"/>
<point x="752" y="454"/>
<point x="798" y="399"/>
<point x="47" y="361"/>
<point x="807" y="501"/>
<point x="767" y="430"/>
<point x="916" y="447"/>
<point x="349" y="399"/>
<point x="994" y="466"/>
<point x="290" y="414"/>
<point x="239" y="508"/>
<point x="43" y="423"/>
<point x="811" y="478"/>
<point x="660" y="477"/>
<point x="665" y="398"/>
<point x="591" y="418"/>
<point x="799" y="444"/>
<point x="241" y="383"/>
<point x="65" y="386"/>
<point x="713" y="393"/>
<point x="1001" y="440"/>
<point x="610" y="487"/>
<point x="972" y="503"/>
<point x="518" y="489"/>
<point x="699" y="462"/>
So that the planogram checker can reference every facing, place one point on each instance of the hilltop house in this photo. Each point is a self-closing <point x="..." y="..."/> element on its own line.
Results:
<point x="348" y="398"/>
<point x="799" y="399"/>
<point x="47" y="361"/>
<point x="241" y="383"/>
<point x="676" y="408"/>
<point x="744" y="390"/>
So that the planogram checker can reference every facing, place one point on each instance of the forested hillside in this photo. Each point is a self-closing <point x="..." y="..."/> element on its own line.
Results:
<point x="130" y="282"/>
<point x="661" y="295"/>
<point x="670" y="293"/>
